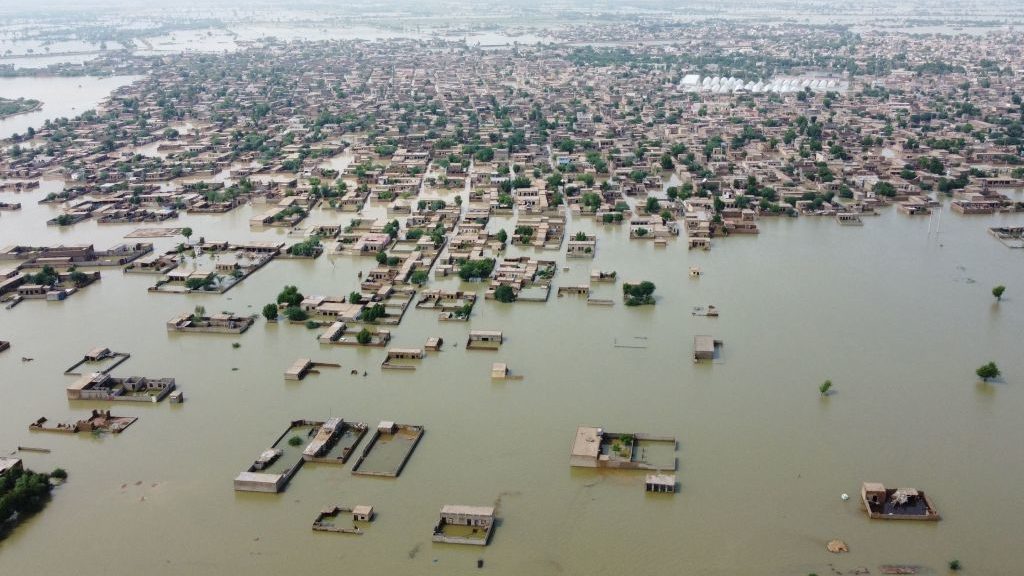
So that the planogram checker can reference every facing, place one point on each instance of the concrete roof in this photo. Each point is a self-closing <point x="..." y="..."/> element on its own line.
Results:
<point x="8" y="464"/>
<point x="84" y="381"/>
<point x="587" y="442"/>
<point x="467" y="510"/>
<point x="704" y="344"/>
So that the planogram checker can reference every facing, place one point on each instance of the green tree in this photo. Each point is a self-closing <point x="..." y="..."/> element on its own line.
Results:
<point x="354" y="297"/>
<point x="290" y="296"/>
<point x="373" y="313"/>
<point x="478" y="269"/>
<point x="825" y="387"/>
<point x="638" y="294"/>
<point x="307" y="248"/>
<point x="988" y="371"/>
<point x="47" y="277"/>
<point x="504" y="293"/>
<point x="186" y="232"/>
<point x="364" y="337"/>
<point x="295" y="314"/>
<point x="419" y="277"/>
<point x="270" y="312"/>
<point x="651" y="205"/>
<point x="78" y="278"/>
<point x="998" y="292"/>
<point x="201" y="283"/>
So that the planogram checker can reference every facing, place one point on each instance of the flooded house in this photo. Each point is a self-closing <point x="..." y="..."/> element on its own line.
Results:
<point x="397" y="354"/>
<point x="593" y="447"/>
<point x="706" y="347"/>
<point x="223" y="323"/>
<point x="896" y="503"/>
<point x="98" y="421"/>
<point x="100" y="386"/>
<point x="9" y="465"/>
<point x="660" y="483"/>
<point x="275" y="466"/>
<point x="484" y="340"/>
<point x="461" y="524"/>
<point x="582" y="246"/>
<point x="328" y="520"/>
<point x="333" y="441"/>
<point x="388" y="450"/>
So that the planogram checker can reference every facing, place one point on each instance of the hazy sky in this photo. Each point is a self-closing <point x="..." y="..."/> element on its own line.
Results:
<point x="482" y="8"/>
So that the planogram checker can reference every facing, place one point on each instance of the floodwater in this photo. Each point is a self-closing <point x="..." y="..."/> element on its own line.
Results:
<point x="61" y="97"/>
<point x="896" y="317"/>
<point x="896" y="314"/>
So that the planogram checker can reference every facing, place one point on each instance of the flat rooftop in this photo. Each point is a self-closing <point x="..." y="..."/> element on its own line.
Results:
<point x="460" y="509"/>
<point x="587" y="442"/>
<point x="704" y="344"/>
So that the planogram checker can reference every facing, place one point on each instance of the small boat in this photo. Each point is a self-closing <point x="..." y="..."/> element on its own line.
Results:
<point x="24" y="359"/>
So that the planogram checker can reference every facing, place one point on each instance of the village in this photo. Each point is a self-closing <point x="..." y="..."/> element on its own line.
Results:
<point x="459" y="180"/>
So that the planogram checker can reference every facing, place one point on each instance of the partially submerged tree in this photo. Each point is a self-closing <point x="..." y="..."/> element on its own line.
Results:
<point x="290" y="296"/>
<point x="998" y="292"/>
<point x="987" y="371"/>
<point x="504" y="293"/>
<point x="825" y="387"/>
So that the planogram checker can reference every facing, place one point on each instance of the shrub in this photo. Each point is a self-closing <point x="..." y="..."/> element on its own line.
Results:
<point x="295" y="314"/>
<point x="295" y="441"/>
